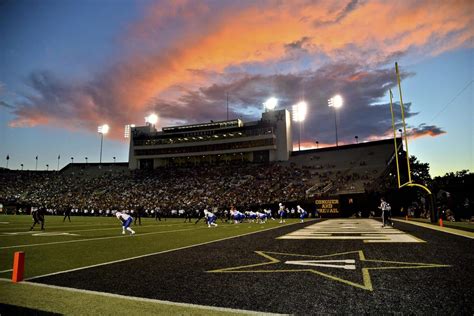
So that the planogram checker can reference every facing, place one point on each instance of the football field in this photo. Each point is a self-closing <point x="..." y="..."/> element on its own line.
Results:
<point x="170" y="267"/>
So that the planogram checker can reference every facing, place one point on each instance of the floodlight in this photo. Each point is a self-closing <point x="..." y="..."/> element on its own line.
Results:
<point x="152" y="119"/>
<point x="271" y="103"/>
<point x="336" y="101"/>
<point x="299" y="111"/>
<point x="128" y="127"/>
<point x="103" y="129"/>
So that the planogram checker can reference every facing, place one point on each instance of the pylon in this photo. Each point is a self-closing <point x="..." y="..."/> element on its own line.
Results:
<point x="441" y="222"/>
<point x="18" y="266"/>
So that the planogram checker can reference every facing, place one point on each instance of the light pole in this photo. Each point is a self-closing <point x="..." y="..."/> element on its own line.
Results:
<point x="72" y="160"/>
<point x="59" y="157"/>
<point x="357" y="139"/>
<point x="103" y="129"/>
<point x="21" y="167"/>
<point x="86" y="160"/>
<point x="317" y="144"/>
<point x="335" y="102"/>
<point x="114" y="160"/>
<point x="8" y="158"/>
<point x="47" y="167"/>
<point x="299" y="114"/>
<point x="36" y="167"/>
<point x="401" y="136"/>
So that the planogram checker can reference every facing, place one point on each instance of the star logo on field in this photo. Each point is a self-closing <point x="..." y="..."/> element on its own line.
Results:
<point x="351" y="268"/>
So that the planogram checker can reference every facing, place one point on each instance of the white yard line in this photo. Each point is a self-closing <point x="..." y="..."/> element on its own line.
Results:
<point x="157" y="253"/>
<point x="5" y="271"/>
<point x="447" y="230"/>
<point x="10" y="234"/>
<point x="66" y="226"/>
<point x="99" y="238"/>
<point x="146" y="300"/>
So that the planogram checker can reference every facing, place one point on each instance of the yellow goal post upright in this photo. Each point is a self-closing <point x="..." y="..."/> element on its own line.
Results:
<point x="410" y="182"/>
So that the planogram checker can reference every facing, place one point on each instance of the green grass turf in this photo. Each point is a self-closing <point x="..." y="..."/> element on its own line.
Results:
<point x="99" y="239"/>
<point x="75" y="303"/>
<point x="96" y="240"/>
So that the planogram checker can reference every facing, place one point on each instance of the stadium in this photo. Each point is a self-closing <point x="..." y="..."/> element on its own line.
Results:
<point x="243" y="257"/>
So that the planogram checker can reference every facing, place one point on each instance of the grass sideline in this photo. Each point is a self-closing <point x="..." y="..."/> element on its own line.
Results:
<point x="467" y="226"/>
<point x="71" y="302"/>
<point x="90" y="241"/>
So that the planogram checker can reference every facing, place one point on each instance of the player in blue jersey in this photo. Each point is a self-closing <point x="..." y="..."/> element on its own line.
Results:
<point x="126" y="221"/>
<point x="210" y="218"/>
<point x="261" y="217"/>
<point x="251" y="216"/>
<point x="301" y="212"/>
<point x="237" y="216"/>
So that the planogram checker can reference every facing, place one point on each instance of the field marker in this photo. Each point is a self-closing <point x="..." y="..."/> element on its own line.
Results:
<point x="146" y="300"/>
<point x="367" y="230"/>
<point x="5" y="271"/>
<point x="156" y="253"/>
<point x="324" y="263"/>
<point x="18" y="266"/>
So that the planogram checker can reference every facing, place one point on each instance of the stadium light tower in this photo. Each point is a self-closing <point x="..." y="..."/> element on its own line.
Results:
<point x="270" y="104"/>
<point x="103" y="129"/>
<point x="299" y="115"/>
<point x="336" y="102"/>
<point x="151" y="119"/>
<point x="128" y="129"/>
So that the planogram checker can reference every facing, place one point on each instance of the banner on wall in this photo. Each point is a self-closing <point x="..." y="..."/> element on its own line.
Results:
<point x="327" y="207"/>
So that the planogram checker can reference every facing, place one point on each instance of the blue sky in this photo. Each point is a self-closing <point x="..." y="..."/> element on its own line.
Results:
<point x="67" y="67"/>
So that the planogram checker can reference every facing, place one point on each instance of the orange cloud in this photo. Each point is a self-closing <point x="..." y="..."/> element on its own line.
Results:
<point x="159" y="54"/>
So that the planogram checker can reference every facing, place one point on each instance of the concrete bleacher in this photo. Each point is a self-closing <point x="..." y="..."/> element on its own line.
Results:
<point x="95" y="169"/>
<point x="344" y="169"/>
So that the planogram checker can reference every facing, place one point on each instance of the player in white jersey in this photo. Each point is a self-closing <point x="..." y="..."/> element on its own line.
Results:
<point x="268" y="213"/>
<point x="126" y="221"/>
<point x="210" y="218"/>
<point x="281" y="213"/>
<point x="302" y="213"/>
<point x="237" y="216"/>
<point x="261" y="217"/>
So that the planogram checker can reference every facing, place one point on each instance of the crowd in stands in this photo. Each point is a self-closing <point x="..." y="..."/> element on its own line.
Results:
<point x="165" y="188"/>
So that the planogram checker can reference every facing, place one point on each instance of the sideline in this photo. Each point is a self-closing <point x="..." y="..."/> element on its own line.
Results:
<point x="447" y="230"/>
<point x="26" y="233"/>
<point x="99" y="238"/>
<point x="146" y="300"/>
<point x="158" y="253"/>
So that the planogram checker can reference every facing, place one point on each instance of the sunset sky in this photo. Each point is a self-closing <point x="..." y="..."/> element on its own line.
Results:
<point x="68" y="66"/>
